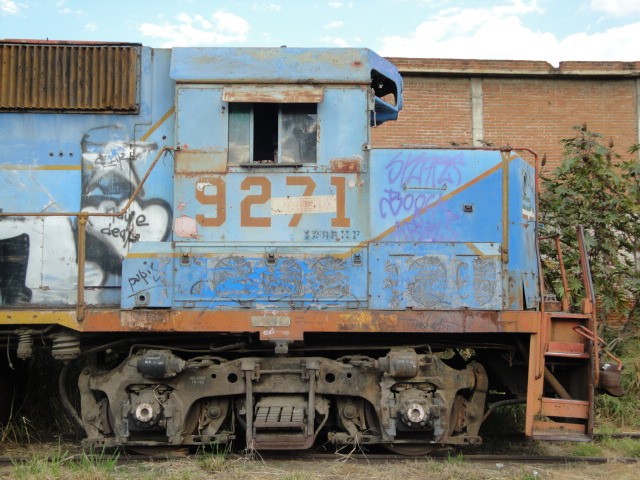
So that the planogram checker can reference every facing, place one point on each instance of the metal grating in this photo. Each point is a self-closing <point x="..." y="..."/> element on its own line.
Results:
<point x="69" y="77"/>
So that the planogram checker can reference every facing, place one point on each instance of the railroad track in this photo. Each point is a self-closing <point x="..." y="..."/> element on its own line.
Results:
<point x="375" y="458"/>
<point x="358" y="457"/>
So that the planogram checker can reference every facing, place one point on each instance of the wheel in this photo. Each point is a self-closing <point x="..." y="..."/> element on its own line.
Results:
<point x="412" y="449"/>
<point x="161" y="452"/>
<point x="407" y="449"/>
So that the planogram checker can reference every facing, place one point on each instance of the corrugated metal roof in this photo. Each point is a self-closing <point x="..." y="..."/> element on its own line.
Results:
<point x="69" y="77"/>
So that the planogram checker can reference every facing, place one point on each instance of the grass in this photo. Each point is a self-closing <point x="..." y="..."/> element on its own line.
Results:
<point x="590" y="449"/>
<point x="61" y="464"/>
<point x="623" y="412"/>
<point x="65" y="465"/>
<point x="214" y="461"/>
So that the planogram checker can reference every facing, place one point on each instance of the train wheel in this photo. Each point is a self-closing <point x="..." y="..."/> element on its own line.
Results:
<point x="161" y="452"/>
<point x="407" y="449"/>
<point x="412" y="449"/>
<point x="423" y="449"/>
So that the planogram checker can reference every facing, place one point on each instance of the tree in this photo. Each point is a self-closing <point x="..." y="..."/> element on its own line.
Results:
<point x="595" y="187"/>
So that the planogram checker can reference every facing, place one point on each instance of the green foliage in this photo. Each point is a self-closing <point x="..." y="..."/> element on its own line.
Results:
<point x="586" y="450"/>
<point x="62" y="464"/>
<point x="214" y="462"/>
<point x="595" y="187"/>
<point x="622" y="447"/>
<point x="623" y="412"/>
<point x="455" y="459"/>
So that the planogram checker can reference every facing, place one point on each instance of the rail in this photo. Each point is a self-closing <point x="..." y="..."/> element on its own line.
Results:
<point x="83" y="217"/>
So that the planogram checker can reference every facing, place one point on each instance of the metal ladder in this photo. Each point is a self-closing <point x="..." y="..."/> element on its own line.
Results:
<point x="565" y="365"/>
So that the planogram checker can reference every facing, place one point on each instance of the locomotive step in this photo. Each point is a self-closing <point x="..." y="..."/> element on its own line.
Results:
<point x="565" y="315"/>
<point x="557" y="407"/>
<point x="567" y="349"/>
<point x="557" y="431"/>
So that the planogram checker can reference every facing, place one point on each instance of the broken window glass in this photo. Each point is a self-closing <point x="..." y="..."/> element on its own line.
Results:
<point x="272" y="133"/>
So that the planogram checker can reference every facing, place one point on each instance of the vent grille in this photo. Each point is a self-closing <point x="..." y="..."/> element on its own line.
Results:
<point x="76" y="78"/>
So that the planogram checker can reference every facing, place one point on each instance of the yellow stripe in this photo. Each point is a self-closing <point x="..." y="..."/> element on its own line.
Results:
<point x="37" y="317"/>
<point x="474" y="249"/>
<point x="158" y="123"/>
<point x="40" y="167"/>
<point x="152" y="255"/>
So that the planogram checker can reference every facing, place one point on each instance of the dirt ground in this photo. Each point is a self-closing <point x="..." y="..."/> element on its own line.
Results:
<point x="74" y="465"/>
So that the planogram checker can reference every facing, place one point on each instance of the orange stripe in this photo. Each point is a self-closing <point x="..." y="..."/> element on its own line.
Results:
<point x="157" y="124"/>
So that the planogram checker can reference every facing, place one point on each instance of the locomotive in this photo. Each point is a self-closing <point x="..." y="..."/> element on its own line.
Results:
<point x="212" y="235"/>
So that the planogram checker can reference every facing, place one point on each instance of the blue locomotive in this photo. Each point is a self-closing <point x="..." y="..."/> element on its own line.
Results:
<point x="215" y="228"/>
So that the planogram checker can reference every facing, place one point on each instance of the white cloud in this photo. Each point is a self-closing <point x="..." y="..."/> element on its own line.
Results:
<point x="335" y="41"/>
<point x="265" y="7"/>
<point x="9" y="7"/>
<point x="500" y="33"/>
<point x="334" y="24"/>
<point x="196" y="30"/>
<point x="91" y="26"/>
<point x="616" y="8"/>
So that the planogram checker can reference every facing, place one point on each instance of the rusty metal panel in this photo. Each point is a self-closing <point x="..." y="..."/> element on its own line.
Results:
<point x="69" y="77"/>
<point x="193" y="161"/>
<point x="273" y="94"/>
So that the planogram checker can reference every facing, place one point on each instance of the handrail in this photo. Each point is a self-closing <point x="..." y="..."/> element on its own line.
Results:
<point x="83" y="217"/>
<point x="590" y="300"/>
<point x="566" y="301"/>
<point x="600" y="344"/>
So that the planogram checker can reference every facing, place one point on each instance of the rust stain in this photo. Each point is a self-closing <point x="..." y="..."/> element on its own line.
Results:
<point x="77" y="77"/>
<point x="146" y="320"/>
<point x="454" y="321"/>
<point x="273" y="94"/>
<point x="346" y="165"/>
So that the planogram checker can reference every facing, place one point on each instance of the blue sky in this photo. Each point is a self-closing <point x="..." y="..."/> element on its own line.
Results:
<point x="551" y="30"/>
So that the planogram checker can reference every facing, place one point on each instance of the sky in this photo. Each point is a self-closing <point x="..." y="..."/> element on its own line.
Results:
<point x="550" y="30"/>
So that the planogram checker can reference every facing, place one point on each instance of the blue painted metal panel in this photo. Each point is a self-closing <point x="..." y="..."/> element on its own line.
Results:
<point x="247" y="277"/>
<point x="435" y="276"/>
<point x="436" y="196"/>
<point x="523" y="260"/>
<point x="277" y="65"/>
<point x="202" y="118"/>
<point x="343" y="119"/>
<point x="147" y="274"/>
<point x="58" y="162"/>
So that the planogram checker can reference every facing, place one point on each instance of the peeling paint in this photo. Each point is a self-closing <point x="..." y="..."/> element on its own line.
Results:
<point x="315" y="204"/>
<point x="185" y="227"/>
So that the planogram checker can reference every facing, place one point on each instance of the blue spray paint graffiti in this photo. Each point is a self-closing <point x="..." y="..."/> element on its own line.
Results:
<point x="414" y="182"/>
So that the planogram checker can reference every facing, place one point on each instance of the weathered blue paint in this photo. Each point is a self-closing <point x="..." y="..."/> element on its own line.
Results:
<point x="355" y="229"/>
<point x="66" y="162"/>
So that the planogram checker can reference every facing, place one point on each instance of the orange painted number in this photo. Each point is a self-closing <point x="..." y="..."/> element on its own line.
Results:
<point x="218" y="199"/>
<point x="308" y="191"/>
<point x="341" y="219"/>
<point x="246" y="220"/>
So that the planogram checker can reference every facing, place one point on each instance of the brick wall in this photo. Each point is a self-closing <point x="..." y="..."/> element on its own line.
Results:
<point x="525" y="104"/>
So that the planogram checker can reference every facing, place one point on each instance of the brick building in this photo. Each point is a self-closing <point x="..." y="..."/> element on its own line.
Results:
<point x="520" y="103"/>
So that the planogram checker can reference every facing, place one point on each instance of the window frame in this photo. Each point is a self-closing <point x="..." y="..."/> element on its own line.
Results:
<point x="277" y="161"/>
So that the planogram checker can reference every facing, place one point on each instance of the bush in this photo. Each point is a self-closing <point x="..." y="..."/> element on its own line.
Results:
<point x="595" y="187"/>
